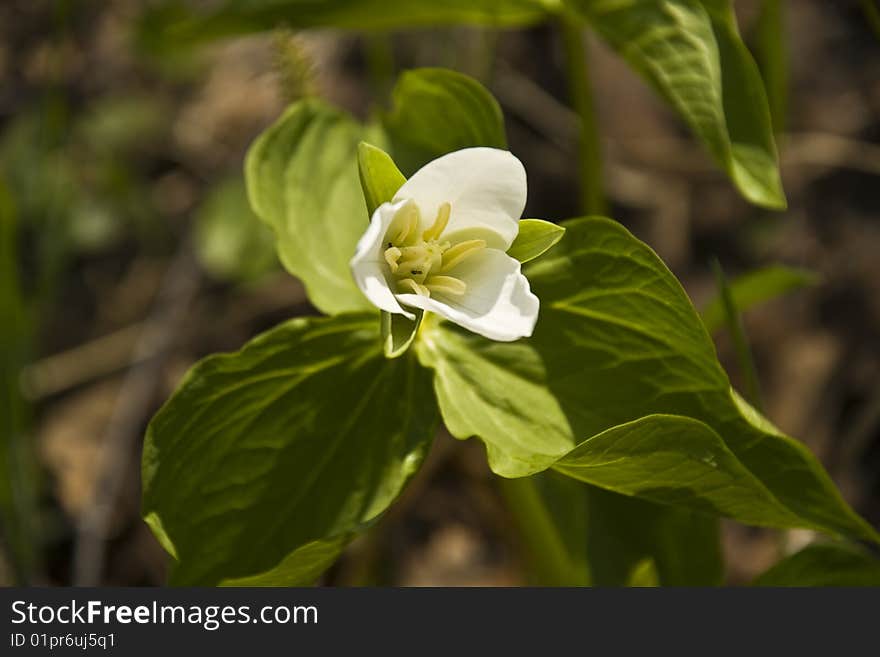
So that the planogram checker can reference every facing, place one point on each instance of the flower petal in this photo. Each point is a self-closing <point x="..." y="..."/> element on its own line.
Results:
<point x="368" y="265"/>
<point x="498" y="303"/>
<point x="487" y="190"/>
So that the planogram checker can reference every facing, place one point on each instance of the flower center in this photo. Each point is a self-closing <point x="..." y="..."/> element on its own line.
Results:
<point x="422" y="263"/>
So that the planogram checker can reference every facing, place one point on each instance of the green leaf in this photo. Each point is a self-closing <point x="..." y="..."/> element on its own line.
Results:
<point x="398" y="332"/>
<point x="499" y="392"/>
<point x="187" y="23"/>
<point x="380" y="177"/>
<point x="302" y="180"/>
<point x="755" y="288"/>
<point x="690" y="51"/>
<point x="534" y="238"/>
<point x="436" y="111"/>
<point x="618" y="340"/>
<point x="305" y="435"/>
<point x="230" y="241"/>
<point x="832" y="564"/>
<point x="302" y="567"/>
<point x="771" y="51"/>
<point x="675" y="460"/>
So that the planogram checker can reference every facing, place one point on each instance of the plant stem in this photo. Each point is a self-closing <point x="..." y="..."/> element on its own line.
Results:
<point x="580" y="88"/>
<point x="548" y="556"/>
<point x="380" y="63"/>
<point x="738" y="335"/>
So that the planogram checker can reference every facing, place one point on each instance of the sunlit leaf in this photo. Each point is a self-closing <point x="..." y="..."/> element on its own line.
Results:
<point x="690" y="51"/>
<point x="674" y="460"/>
<point x="436" y="111"/>
<point x="305" y="435"/>
<point x="618" y="340"/>
<point x="380" y="178"/>
<point x="302" y="180"/>
<point x="535" y="237"/>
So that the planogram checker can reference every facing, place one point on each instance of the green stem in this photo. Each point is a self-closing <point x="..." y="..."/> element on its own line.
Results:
<point x="589" y="148"/>
<point x="18" y="468"/>
<point x="738" y="335"/>
<point x="380" y="63"/>
<point x="548" y="556"/>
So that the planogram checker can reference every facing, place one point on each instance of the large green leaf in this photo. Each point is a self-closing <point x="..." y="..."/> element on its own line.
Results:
<point x="675" y="460"/>
<point x="436" y="111"/>
<point x="303" y="437"/>
<point x="690" y="51"/>
<point x="830" y="564"/>
<point x="302" y="180"/>
<point x="618" y="340"/>
<point x="184" y="23"/>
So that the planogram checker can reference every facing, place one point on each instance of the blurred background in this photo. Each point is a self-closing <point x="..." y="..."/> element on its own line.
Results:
<point x="128" y="251"/>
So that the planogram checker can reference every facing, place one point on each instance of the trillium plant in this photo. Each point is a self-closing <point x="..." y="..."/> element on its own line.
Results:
<point x="567" y="348"/>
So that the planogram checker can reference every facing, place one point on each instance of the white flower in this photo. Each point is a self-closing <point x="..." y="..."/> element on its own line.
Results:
<point x="440" y="245"/>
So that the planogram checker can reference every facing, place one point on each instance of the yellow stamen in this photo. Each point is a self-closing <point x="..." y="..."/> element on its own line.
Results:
<point x="439" y="225"/>
<point x="462" y="250"/>
<point x="392" y="255"/>
<point x="414" y="287"/>
<point x="446" y="285"/>
<point x="405" y="224"/>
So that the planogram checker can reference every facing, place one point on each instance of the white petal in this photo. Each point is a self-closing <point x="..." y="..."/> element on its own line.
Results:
<point x="368" y="265"/>
<point x="487" y="190"/>
<point x="498" y="303"/>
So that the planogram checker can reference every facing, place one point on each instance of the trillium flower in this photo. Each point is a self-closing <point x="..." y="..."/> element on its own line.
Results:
<point x="440" y="245"/>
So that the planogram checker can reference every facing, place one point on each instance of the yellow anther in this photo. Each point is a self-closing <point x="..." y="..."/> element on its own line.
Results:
<point x="439" y="225"/>
<point x="418" y="262"/>
<point x="409" y="285"/>
<point x="405" y="224"/>
<point x="446" y="285"/>
<point x="462" y="250"/>
<point x="392" y="255"/>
